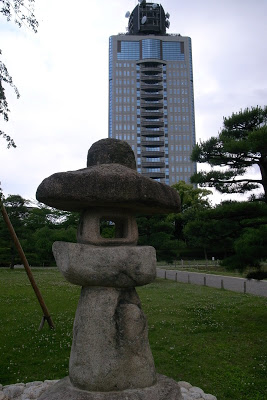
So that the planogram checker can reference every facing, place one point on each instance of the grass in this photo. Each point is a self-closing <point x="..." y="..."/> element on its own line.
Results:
<point x="211" y="338"/>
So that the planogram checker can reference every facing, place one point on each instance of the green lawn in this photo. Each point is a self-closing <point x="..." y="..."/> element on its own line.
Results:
<point x="211" y="338"/>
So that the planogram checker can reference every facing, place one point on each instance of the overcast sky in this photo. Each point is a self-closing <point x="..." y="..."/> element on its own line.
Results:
<point x="62" y="75"/>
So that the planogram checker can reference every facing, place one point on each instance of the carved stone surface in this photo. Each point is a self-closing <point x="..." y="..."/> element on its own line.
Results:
<point x="109" y="186"/>
<point x="126" y="230"/>
<point x="110" y="349"/>
<point x="164" y="389"/>
<point x="111" y="151"/>
<point x="124" y="266"/>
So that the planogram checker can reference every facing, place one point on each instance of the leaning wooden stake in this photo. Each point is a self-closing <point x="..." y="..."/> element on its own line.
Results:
<point x="46" y="316"/>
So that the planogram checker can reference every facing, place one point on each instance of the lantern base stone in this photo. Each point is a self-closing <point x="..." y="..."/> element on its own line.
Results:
<point x="164" y="389"/>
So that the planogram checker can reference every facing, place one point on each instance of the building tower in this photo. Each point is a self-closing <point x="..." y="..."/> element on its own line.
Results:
<point x="151" y="99"/>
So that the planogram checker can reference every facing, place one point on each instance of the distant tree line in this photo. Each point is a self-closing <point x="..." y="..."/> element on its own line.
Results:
<point x="235" y="232"/>
<point x="37" y="227"/>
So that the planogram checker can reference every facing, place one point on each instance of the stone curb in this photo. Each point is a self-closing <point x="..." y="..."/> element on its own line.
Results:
<point x="232" y="283"/>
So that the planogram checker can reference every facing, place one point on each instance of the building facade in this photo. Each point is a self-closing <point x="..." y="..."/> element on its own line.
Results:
<point x="151" y="98"/>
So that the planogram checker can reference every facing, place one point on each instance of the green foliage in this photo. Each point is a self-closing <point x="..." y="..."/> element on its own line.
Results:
<point x="192" y="200"/>
<point x="250" y="249"/>
<point x="223" y="227"/>
<point x="37" y="228"/>
<point x="191" y="196"/>
<point x="165" y="233"/>
<point x="17" y="210"/>
<point x="242" y="143"/>
<point x="43" y="239"/>
<point x="22" y="12"/>
<point x="234" y="231"/>
<point x="203" y="233"/>
<point x="158" y="232"/>
<point x="107" y="230"/>
<point x="259" y="275"/>
<point x="202" y="230"/>
<point x="4" y="110"/>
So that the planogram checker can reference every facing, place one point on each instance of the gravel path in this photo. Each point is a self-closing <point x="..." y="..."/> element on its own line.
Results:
<point x="32" y="390"/>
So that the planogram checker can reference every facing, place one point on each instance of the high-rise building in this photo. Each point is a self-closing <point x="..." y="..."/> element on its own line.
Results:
<point x="151" y="99"/>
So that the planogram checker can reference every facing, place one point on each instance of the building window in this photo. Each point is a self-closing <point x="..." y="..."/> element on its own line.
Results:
<point x="153" y="159"/>
<point x="128" y="50"/>
<point x="151" y="48"/>
<point x="152" y="149"/>
<point x="153" y="169"/>
<point x="173" y="51"/>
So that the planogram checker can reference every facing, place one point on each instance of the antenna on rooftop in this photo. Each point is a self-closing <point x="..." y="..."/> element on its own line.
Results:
<point x="167" y="22"/>
<point x="143" y="20"/>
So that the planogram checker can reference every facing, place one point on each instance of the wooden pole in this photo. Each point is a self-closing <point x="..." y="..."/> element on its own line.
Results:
<point x="46" y="316"/>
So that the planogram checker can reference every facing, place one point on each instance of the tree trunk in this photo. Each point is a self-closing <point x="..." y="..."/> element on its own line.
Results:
<point x="263" y="169"/>
<point x="205" y="254"/>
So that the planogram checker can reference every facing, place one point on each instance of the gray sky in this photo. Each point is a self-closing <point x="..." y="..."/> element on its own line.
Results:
<point x="62" y="75"/>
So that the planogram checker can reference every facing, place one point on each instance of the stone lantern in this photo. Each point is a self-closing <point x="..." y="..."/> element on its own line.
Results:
<point x="110" y="356"/>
